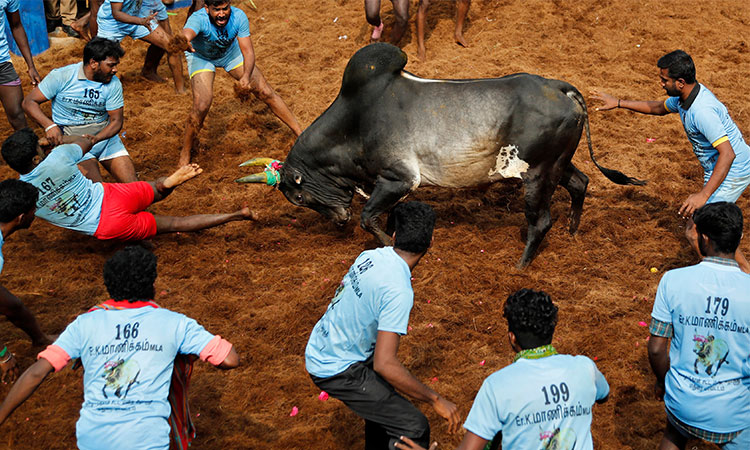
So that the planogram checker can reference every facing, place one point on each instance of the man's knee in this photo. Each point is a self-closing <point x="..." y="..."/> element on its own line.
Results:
<point x="201" y="107"/>
<point x="264" y="92"/>
<point x="424" y="4"/>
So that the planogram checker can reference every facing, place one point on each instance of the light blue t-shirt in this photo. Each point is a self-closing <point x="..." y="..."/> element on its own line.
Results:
<point x="66" y="197"/>
<point x="375" y="295"/>
<point x="2" y="260"/>
<point x="76" y="100"/>
<point x="6" y="6"/>
<point x="213" y="42"/>
<point x="708" y="382"/>
<point x="130" y="7"/>
<point x="128" y="357"/>
<point x="707" y="124"/>
<point x="539" y="402"/>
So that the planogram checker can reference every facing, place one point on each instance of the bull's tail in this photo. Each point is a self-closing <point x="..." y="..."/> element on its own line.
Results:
<point x="614" y="175"/>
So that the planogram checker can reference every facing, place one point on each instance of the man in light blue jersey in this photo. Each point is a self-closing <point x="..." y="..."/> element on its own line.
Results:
<point x="716" y="140"/>
<point x="87" y="101"/>
<point x="352" y="351"/>
<point x="703" y="375"/>
<point x="104" y="210"/>
<point x="127" y="346"/>
<point x="117" y="19"/>
<point x="11" y="94"/>
<point x="543" y="399"/>
<point x="219" y="36"/>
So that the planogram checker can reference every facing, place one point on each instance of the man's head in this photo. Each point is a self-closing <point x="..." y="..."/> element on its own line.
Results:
<point x="219" y="11"/>
<point x="413" y="224"/>
<point x="17" y="203"/>
<point x="102" y="56"/>
<point x="130" y="274"/>
<point x="719" y="227"/>
<point x="21" y="151"/>
<point x="531" y="317"/>
<point x="676" y="70"/>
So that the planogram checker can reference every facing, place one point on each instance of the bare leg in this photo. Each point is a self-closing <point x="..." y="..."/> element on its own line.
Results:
<point x="463" y="11"/>
<point x="170" y="224"/>
<point x="672" y="439"/>
<point x="372" y="14"/>
<point x="90" y="169"/>
<point x="165" y="185"/>
<point x="421" y="22"/>
<point x="121" y="168"/>
<point x="401" y="9"/>
<point x="82" y="26"/>
<point x="14" y="309"/>
<point x="264" y="92"/>
<point x="11" y="98"/>
<point x="160" y="38"/>
<point x="153" y="56"/>
<point x="203" y="92"/>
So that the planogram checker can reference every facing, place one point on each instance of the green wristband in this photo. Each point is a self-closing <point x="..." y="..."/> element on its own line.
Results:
<point x="2" y="352"/>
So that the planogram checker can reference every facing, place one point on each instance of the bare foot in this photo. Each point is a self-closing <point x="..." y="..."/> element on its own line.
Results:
<point x="152" y="76"/>
<point x="422" y="53"/>
<point x="376" y="32"/>
<point x="460" y="40"/>
<point x="185" y="155"/>
<point x="82" y="29"/>
<point x="180" y="91"/>
<point x="182" y="174"/>
<point x="248" y="214"/>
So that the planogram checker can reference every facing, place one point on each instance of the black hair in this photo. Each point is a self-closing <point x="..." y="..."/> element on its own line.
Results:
<point x="19" y="149"/>
<point x="16" y="197"/>
<point x="413" y="224"/>
<point x="721" y="222"/>
<point x="531" y="316"/>
<point x="130" y="274"/>
<point x="215" y="2"/>
<point x="679" y="65"/>
<point x="100" y="48"/>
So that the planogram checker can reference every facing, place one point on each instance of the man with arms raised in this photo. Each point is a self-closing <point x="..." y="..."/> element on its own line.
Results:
<point x="704" y="374"/>
<point x="87" y="100"/>
<point x="716" y="140"/>
<point x="352" y="351"/>
<point x="127" y="347"/>
<point x="103" y="210"/>
<point x="219" y="36"/>
<point x="543" y="399"/>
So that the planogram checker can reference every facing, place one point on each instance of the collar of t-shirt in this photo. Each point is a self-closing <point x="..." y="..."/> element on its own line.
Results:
<point x="722" y="261"/>
<point x="691" y="97"/>
<point x="536" y="353"/>
<point x="81" y="73"/>
<point x="123" y="304"/>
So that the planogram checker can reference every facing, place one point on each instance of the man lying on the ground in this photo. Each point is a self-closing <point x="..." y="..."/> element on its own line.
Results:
<point x="103" y="210"/>
<point x="87" y="100"/>
<point x="127" y="346"/>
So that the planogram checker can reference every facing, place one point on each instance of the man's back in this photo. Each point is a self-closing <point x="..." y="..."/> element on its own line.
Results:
<point x="708" y="305"/>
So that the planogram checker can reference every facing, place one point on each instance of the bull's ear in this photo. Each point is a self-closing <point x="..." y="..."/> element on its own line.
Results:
<point x="297" y="177"/>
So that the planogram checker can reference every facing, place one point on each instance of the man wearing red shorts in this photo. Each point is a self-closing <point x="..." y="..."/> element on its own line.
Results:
<point x="103" y="210"/>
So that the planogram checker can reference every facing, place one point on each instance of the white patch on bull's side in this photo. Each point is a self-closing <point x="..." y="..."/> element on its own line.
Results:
<point x="508" y="164"/>
<point x="409" y="76"/>
<point x="364" y="194"/>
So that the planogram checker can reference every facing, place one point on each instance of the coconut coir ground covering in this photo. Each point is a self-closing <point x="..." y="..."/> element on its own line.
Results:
<point x="264" y="284"/>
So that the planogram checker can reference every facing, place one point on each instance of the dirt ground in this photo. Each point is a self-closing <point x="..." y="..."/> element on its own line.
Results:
<point x="264" y="285"/>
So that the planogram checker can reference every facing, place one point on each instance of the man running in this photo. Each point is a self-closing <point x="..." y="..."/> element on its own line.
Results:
<point x="372" y="14"/>
<point x="103" y="210"/>
<point x="87" y="100"/>
<point x="219" y="36"/>
<point x="127" y="346"/>
<point x="11" y="94"/>
<point x="458" y="35"/>
<point x="119" y="18"/>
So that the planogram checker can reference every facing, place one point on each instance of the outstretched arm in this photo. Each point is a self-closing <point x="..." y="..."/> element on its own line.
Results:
<point x="81" y="141"/>
<point x="19" y="34"/>
<point x="31" y="106"/>
<point x="127" y="18"/>
<point x="248" y="55"/>
<point x="24" y="387"/>
<point x="651" y="107"/>
<point x="386" y="364"/>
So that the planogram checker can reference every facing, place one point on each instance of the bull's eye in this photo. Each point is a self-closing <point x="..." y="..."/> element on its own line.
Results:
<point x="298" y="198"/>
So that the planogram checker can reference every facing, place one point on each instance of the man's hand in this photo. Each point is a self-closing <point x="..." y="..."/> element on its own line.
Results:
<point x="146" y="22"/>
<point x="34" y="75"/>
<point x="608" y="101"/>
<point x="54" y="136"/>
<point x="408" y="444"/>
<point x="449" y="412"/>
<point x="693" y="202"/>
<point x="659" y="390"/>
<point x="94" y="140"/>
<point x="244" y="82"/>
<point x="9" y="369"/>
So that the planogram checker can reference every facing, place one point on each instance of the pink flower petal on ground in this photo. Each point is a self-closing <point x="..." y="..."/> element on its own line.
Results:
<point x="434" y="379"/>
<point x="429" y="325"/>
<point x="481" y="363"/>
<point x="409" y="328"/>
<point x="596" y="358"/>
<point x="429" y="301"/>
<point x="198" y="415"/>
<point x="650" y="140"/>
<point x="323" y="396"/>
<point x="642" y="323"/>
<point x="294" y="412"/>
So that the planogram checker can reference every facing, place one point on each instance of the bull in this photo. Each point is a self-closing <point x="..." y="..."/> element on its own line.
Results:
<point x="388" y="132"/>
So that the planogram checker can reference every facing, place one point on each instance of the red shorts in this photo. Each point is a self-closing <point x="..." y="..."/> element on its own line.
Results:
<point x="123" y="216"/>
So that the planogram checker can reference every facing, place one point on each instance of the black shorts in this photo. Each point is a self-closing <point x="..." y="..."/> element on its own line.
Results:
<point x="7" y="73"/>
<point x="388" y="415"/>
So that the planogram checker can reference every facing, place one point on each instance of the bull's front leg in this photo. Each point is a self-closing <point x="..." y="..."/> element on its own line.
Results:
<point x="388" y="191"/>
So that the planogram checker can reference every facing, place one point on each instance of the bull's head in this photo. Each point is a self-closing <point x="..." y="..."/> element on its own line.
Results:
<point x="304" y="188"/>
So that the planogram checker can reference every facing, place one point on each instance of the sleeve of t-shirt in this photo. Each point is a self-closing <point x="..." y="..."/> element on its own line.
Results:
<point x="194" y="23"/>
<point x="671" y="104"/>
<point x="662" y="311"/>
<point x="67" y="153"/>
<point x="114" y="96"/>
<point x="52" y="84"/>
<point x="602" y="387"/>
<point x="194" y="337"/>
<point x="484" y="417"/>
<point x="243" y="27"/>
<point x="708" y="122"/>
<point x="394" y="310"/>
<point x="67" y="346"/>
<point x="12" y="6"/>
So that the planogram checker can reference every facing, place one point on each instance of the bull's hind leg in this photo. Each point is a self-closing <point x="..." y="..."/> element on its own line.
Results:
<point x="538" y="187"/>
<point x="575" y="182"/>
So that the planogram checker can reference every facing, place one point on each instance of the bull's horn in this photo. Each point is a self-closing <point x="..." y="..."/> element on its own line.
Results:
<point x="261" y="177"/>
<point x="257" y="162"/>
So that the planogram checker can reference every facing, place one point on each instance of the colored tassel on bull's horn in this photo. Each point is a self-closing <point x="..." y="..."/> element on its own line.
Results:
<point x="270" y="174"/>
